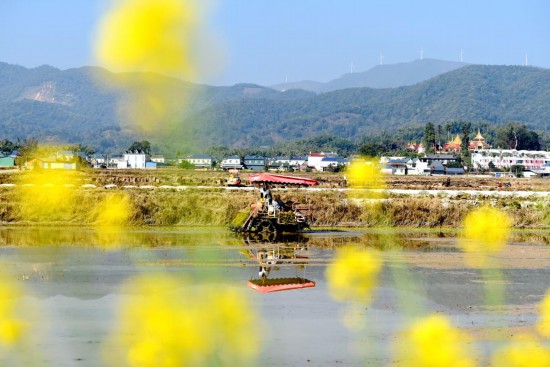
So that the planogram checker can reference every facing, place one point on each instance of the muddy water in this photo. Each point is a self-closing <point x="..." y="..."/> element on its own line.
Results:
<point x="73" y="277"/>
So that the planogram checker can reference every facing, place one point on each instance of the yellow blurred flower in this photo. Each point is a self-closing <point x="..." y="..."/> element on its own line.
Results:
<point x="114" y="210"/>
<point x="160" y="38"/>
<point x="172" y="323"/>
<point x="353" y="274"/>
<point x="434" y="342"/>
<point x="543" y="325"/>
<point x="12" y="326"/>
<point x="523" y="352"/>
<point x="365" y="178"/>
<point x="47" y="194"/>
<point x="485" y="230"/>
<point x="154" y="36"/>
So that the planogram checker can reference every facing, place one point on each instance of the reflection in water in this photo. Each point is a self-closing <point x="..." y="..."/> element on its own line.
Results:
<point x="107" y="237"/>
<point x="17" y="324"/>
<point x="73" y="272"/>
<point x="272" y="258"/>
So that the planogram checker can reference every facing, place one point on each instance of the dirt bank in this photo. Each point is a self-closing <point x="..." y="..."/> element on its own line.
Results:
<point x="217" y="207"/>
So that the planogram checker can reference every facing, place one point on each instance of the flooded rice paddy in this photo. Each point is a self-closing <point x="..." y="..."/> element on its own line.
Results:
<point x="73" y="280"/>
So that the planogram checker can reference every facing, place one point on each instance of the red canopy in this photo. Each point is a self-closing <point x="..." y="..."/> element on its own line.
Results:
<point x="280" y="179"/>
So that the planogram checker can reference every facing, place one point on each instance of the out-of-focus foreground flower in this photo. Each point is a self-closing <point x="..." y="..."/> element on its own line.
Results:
<point x="47" y="194"/>
<point x="434" y="342"/>
<point x="13" y="327"/>
<point x="171" y="323"/>
<point x="543" y="325"/>
<point x="353" y="274"/>
<point x="114" y="210"/>
<point x="364" y="173"/>
<point x="524" y="351"/>
<point x="486" y="231"/>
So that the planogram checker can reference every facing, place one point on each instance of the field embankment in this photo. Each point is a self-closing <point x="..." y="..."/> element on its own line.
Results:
<point x="217" y="207"/>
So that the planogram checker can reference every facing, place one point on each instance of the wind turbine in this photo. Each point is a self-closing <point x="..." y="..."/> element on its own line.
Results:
<point x="525" y="59"/>
<point x="421" y="54"/>
<point x="461" y="55"/>
<point x="381" y="59"/>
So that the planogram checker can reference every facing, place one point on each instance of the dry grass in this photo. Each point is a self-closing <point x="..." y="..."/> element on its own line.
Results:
<point x="218" y="207"/>
<point x="215" y="207"/>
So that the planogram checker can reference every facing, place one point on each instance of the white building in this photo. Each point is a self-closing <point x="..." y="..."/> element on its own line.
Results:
<point x="324" y="161"/>
<point x="136" y="160"/>
<point x="234" y="162"/>
<point x="200" y="160"/>
<point x="117" y="162"/>
<point x="505" y="158"/>
<point x="158" y="158"/>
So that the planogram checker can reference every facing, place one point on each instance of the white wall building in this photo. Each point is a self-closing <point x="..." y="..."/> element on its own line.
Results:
<point x="200" y="160"/>
<point x="234" y="162"/>
<point x="505" y="158"/>
<point x="136" y="160"/>
<point x="158" y="158"/>
<point x="323" y="161"/>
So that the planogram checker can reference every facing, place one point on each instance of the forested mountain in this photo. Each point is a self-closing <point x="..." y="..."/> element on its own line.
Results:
<point x="78" y="106"/>
<point x="380" y="76"/>
<point x="81" y="105"/>
<point x="494" y="94"/>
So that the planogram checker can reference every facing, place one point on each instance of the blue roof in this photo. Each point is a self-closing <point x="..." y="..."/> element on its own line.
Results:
<point x="334" y="159"/>
<point x="200" y="156"/>
<point x="253" y="157"/>
<point x="455" y="170"/>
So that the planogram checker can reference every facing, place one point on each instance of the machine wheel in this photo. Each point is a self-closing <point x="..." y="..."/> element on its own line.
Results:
<point x="266" y="231"/>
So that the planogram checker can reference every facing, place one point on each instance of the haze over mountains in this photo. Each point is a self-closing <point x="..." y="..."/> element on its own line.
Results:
<point x="74" y="106"/>
<point x="380" y="76"/>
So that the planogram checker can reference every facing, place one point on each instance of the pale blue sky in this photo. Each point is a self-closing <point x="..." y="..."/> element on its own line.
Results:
<point x="267" y="41"/>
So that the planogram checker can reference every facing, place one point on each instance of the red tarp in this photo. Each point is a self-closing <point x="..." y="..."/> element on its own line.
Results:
<point x="280" y="179"/>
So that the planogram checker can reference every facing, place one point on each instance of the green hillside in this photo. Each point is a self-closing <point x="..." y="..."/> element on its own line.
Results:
<point x="494" y="94"/>
<point x="74" y="106"/>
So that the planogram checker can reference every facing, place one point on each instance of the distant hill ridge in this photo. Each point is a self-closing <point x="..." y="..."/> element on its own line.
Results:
<point x="380" y="76"/>
<point x="73" y="106"/>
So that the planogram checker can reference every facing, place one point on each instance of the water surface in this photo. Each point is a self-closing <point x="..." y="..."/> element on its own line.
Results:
<point x="74" y="278"/>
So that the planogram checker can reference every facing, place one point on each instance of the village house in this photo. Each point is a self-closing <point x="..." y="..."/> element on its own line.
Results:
<point x="325" y="161"/>
<point x="233" y="162"/>
<point x="200" y="160"/>
<point x="433" y="164"/>
<point x="543" y="172"/>
<point x="117" y="161"/>
<point x="506" y="158"/>
<point x="135" y="159"/>
<point x="255" y="163"/>
<point x="158" y="158"/>
<point x="7" y="161"/>
<point x="61" y="160"/>
<point x="395" y="167"/>
<point x="286" y="164"/>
